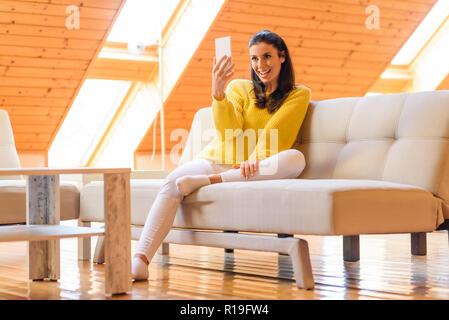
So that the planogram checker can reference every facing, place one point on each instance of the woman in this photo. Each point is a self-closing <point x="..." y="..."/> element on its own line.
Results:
<point x="269" y="103"/>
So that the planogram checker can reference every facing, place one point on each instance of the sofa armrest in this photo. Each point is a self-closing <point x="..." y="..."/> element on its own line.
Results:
<point x="137" y="174"/>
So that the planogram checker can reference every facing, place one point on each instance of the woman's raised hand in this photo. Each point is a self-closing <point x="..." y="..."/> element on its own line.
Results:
<point x="222" y="71"/>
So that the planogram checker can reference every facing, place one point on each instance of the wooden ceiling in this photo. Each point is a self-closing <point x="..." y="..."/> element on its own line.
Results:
<point x="333" y="51"/>
<point x="43" y="63"/>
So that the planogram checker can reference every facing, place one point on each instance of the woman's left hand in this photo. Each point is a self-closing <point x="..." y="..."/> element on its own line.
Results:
<point x="248" y="168"/>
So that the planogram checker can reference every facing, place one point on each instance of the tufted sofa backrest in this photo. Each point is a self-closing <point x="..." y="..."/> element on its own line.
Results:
<point x="400" y="138"/>
<point x="8" y="153"/>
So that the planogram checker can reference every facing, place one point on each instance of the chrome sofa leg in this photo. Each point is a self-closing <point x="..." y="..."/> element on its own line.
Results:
<point x="284" y="235"/>
<point x="418" y="243"/>
<point x="298" y="249"/>
<point x="351" y="248"/>
<point x="227" y="250"/>
<point x="302" y="268"/>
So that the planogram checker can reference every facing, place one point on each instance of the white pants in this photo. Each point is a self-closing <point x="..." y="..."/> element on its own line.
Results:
<point x="286" y="164"/>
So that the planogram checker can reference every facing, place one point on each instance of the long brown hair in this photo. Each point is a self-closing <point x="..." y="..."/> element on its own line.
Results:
<point x="286" y="79"/>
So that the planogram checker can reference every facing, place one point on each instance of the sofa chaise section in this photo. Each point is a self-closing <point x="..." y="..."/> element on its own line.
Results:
<point x="13" y="188"/>
<point x="13" y="201"/>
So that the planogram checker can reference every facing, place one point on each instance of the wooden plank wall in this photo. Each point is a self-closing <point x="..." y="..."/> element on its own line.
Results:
<point x="444" y="85"/>
<point x="333" y="51"/>
<point x="43" y="63"/>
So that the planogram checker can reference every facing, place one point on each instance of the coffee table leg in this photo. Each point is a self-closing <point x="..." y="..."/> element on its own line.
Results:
<point x="43" y="207"/>
<point x="117" y="240"/>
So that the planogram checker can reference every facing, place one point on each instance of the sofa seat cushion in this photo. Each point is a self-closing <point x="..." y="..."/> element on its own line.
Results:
<point x="143" y="194"/>
<point x="312" y="206"/>
<point x="294" y="206"/>
<point x="13" y="201"/>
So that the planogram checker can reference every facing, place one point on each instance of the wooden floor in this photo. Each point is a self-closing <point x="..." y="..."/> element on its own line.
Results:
<point x="386" y="271"/>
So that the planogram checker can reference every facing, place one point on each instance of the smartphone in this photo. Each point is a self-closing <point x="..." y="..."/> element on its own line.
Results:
<point x="222" y="47"/>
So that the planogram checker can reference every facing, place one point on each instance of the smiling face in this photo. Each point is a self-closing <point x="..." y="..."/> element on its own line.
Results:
<point x="266" y="61"/>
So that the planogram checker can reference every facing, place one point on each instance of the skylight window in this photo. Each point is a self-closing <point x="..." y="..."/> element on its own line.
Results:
<point x="141" y="20"/>
<point x="423" y="33"/>
<point x="119" y="151"/>
<point x="87" y="120"/>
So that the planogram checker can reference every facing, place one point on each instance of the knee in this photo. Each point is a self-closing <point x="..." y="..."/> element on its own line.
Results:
<point x="169" y="187"/>
<point x="295" y="161"/>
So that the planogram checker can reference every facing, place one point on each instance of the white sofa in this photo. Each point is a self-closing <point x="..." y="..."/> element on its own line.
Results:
<point x="375" y="165"/>
<point x="13" y="188"/>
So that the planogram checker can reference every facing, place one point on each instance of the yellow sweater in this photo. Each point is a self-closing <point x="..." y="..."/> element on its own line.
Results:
<point x="245" y="131"/>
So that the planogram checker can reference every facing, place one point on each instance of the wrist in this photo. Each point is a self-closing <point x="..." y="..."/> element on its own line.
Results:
<point x="218" y="97"/>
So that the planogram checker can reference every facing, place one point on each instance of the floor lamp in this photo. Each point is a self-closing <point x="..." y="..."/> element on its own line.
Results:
<point x="137" y="47"/>
<point x="161" y="95"/>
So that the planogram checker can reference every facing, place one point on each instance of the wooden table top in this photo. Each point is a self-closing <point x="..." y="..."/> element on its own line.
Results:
<point x="55" y="171"/>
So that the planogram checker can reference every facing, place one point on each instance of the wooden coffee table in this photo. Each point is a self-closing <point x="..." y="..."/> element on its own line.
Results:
<point x="42" y="229"/>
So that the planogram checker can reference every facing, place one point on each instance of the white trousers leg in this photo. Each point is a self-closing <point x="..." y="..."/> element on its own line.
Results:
<point x="286" y="164"/>
<point x="162" y="213"/>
